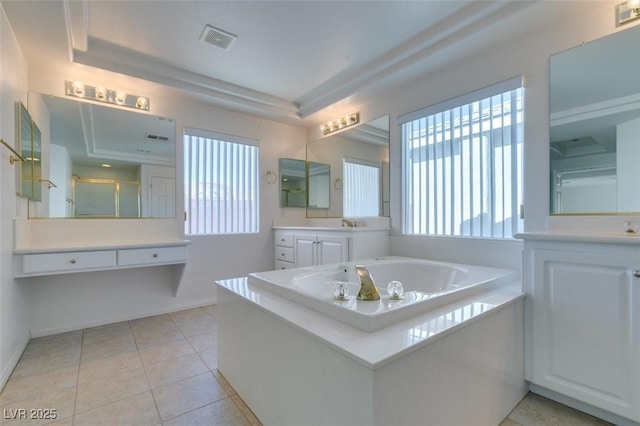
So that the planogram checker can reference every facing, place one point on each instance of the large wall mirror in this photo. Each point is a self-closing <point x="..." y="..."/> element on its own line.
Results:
<point x="357" y="171"/>
<point x="293" y="182"/>
<point x="595" y="126"/>
<point x="108" y="162"/>
<point x="29" y="144"/>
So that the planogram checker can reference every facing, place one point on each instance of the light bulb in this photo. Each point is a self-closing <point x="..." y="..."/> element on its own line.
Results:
<point x="121" y="97"/>
<point x="78" y="88"/>
<point x="101" y="93"/>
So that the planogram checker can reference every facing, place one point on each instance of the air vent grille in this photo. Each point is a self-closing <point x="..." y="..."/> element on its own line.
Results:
<point x="157" y="138"/>
<point x="217" y="37"/>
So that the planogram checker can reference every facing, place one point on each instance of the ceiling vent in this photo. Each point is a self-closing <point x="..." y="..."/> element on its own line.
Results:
<point x="217" y="37"/>
<point x="157" y="138"/>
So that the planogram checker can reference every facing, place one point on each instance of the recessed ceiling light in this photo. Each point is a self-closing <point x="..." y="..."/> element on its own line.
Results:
<point x="105" y="165"/>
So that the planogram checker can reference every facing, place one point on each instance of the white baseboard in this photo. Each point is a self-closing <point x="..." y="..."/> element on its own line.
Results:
<point x="89" y="324"/>
<point x="8" y="369"/>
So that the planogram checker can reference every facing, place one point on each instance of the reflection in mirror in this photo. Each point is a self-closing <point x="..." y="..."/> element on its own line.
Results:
<point x="28" y="142"/>
<point x="319" y="176"/>
<point x="366" y="143"/>
<point x="595" y="126"/>
<point x="293" y="183"/>
<point x="106" y="198"/>
<point x="133" y="151"/>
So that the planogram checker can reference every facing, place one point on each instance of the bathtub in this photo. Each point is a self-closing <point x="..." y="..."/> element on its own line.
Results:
<point x="427" y="285"/>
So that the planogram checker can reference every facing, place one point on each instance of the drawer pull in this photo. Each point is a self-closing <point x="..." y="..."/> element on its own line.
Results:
<point x="72" y="261"/>
<point x="155" y="254"/>
<point x="636" y="273"/>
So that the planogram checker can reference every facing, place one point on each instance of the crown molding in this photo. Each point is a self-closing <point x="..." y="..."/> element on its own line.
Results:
<point x="84" y="49"/>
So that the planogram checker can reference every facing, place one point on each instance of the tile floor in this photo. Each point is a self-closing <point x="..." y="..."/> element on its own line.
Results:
<point x="159" y="370"/>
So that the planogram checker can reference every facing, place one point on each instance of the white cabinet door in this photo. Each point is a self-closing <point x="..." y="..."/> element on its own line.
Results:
<point x="305" y="250"/>
<point x="333" y="250"/>
<point x="586" y="328"/>
<point x="312" y="250"/>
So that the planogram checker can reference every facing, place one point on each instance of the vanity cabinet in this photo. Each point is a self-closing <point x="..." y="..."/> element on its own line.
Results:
<point x="312" y="250"/>
<point x="584" y="315"/>
<point x="296" y="247"/>
<point x="284" y="255"/>
<point x="34" y="262"/>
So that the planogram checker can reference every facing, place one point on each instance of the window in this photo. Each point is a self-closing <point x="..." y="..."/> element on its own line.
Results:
<point x="361" y="188"/>
<point x="221" y="183"/>
<point x="462" y="163"/>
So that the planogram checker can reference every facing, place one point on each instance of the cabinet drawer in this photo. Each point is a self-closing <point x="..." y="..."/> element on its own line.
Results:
<point x="151" y="256"/>
<point x="281" y="264"/>
<point x="284" y="238"/>
<point x="284" y="253"/>
<point x="71" y="261"/>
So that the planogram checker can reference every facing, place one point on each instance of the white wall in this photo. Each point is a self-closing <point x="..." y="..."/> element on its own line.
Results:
<point x="528" y="56"/>
<point x="14" y="328"/>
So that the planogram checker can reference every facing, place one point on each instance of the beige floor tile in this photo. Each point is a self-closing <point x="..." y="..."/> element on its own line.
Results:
<point x="211" y="310"/>
<point x="46" y="408"/>
<point x="193" y="328"/>
<point x="149" y="338"/>
<point x="509" y="422"/>
<point x="204" y="342"/>
<point x="152" y="324"/>
<point x="135" y="410"/>
<point x="98" y="392"/>
<point x="108" y="366"/>
<point x="223" y="382"/>
<point x="159" y="352"/>
<point x="107" y="332"/>
<point x="47" y="361"/>
<point x="220" y="413"/>
<point x="537" y="410"/>
<point x="186" y="395"/>
<point x="210" y="358"/>
<point x="103" y="348"/>
<point x="189" y="315"/>
<point x="38" y="384"/>
<point x="44" y="345"/>
<point x="173" y="370"/>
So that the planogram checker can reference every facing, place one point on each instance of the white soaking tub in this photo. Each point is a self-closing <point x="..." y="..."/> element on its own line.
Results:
<point x="427" y="284"/>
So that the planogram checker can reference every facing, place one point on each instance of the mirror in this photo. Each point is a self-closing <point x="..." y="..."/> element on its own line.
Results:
<point x="293" y="183"/>
<point x="109" y="162"/>
<point x="595" y="126"/>
<point x="29" y="144"/>
<point x="319" y="176"/>
<point x="366" y="143"/>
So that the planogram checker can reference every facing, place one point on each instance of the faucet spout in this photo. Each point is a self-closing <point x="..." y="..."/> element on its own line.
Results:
<point x="368" y="289"/>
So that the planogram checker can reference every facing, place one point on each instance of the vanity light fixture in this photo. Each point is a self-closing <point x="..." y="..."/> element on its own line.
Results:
<point x="101" y="94"/>
<point x="341" y="123"/>
<point x="628" y="11"/>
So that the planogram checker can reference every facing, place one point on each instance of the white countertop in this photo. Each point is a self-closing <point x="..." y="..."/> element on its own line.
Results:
<point x="586" y="237"/>
<point x="333" y="228"/>
<point x="375" y="349"/>
<point x="63" y="246"/>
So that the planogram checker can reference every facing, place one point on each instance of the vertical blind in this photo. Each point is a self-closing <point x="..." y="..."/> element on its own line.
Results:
<point x="221" y="183"/>
<point x="462" y="162"/>
<point x="361" y="189"/>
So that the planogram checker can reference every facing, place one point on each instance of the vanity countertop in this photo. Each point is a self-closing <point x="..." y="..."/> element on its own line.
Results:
<point x="60" y="247"/>
<point x="333" y="228"/>
<point x="581" y="237"/>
